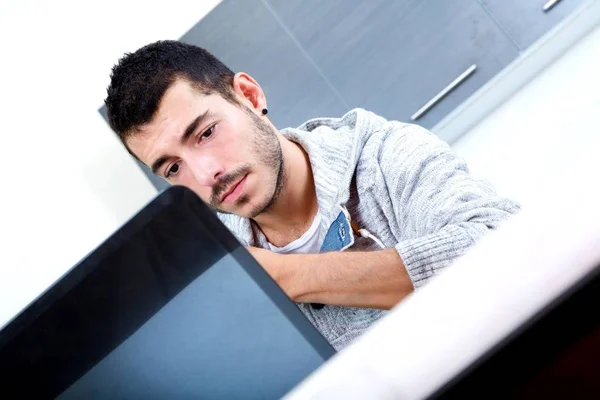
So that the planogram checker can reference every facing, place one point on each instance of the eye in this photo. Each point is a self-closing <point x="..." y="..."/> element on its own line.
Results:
<point x="207" y="133"/>
<point x="172" y="171"/>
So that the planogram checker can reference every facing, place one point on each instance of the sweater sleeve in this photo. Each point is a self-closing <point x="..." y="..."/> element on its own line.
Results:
<point x="440" y="208"/>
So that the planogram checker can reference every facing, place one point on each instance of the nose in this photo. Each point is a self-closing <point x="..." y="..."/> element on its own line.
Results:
<point x="206" y="170"/>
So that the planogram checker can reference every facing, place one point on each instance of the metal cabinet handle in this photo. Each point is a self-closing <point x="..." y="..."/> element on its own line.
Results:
<point x="550" y="4"/>
<point x="434" y="100"/>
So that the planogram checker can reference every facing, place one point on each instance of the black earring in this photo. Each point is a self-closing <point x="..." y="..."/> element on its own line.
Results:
<point x="265" y="111"/>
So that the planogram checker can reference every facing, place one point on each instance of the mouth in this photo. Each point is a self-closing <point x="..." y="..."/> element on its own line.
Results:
<point x="234" y="191"/>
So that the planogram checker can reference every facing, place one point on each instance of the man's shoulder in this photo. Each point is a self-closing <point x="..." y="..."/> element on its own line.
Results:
<point x="394" y="136"/>
<point x="396" y="146"/>
<point x="354" y="120"/>
<point x="239" y="226"/>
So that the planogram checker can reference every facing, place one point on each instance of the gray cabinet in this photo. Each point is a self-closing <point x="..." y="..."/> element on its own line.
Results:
<point x="247" y="37"/>
<point x="318" y="58"/>
<point x="392" y="57"/>
<point x="525" y="21"/>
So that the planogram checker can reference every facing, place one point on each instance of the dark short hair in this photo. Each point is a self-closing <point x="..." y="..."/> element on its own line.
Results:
<point x="139" y="81"/>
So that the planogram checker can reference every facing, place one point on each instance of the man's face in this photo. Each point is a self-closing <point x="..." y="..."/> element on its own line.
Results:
<point x="225" y="153"/>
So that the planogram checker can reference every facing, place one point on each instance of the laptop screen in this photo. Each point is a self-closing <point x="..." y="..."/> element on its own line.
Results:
<point x="171" y="306"/>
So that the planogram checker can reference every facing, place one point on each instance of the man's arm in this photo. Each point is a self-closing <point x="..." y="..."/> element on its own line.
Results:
<point x="441" y="209"/>
<point x="375" y="279"/>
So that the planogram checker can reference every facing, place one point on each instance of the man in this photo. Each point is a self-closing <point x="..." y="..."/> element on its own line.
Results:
<point x="391" y="194"/>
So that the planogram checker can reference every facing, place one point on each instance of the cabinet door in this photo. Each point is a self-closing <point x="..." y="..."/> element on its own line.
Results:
<point x="525" y="21"/>
<point x="392" y="57"/>
<point x="247" y="37"/>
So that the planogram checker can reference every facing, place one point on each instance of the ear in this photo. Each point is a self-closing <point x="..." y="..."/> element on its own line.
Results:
<point x="250" y="91"/>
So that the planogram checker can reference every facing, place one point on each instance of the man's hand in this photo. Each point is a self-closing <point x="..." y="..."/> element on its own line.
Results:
<point x="375" y="279"/>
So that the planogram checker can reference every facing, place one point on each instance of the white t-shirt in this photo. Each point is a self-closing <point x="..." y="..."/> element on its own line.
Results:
<point x="307" y="243"/>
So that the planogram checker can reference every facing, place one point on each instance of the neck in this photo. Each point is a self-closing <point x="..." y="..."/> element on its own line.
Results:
<point x="296" y="206"/>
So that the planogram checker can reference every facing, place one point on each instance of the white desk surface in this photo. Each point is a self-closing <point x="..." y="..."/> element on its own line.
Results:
<point x="506" y="279"/>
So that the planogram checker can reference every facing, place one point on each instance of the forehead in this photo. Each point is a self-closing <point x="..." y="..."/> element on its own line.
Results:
<point x="180" y="105"/>
<point x="179" y="97"/>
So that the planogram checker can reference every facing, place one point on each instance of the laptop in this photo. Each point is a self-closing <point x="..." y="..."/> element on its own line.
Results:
<point x="170" y="306"/>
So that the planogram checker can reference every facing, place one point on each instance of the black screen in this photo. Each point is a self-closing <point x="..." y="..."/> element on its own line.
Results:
<point x="169" y="306"/>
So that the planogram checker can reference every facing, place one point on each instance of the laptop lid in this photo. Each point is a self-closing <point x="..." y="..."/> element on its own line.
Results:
<point x="170" y="306"/>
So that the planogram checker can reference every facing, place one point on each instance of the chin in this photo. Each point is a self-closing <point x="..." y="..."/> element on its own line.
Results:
<point x="247" y="206"/>
<point x="251" y="210"/>
<point x="243" y="208"/>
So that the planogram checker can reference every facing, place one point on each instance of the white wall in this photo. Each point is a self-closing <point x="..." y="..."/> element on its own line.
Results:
<point x="546" y="133"/>
<point x="67" y="183"/>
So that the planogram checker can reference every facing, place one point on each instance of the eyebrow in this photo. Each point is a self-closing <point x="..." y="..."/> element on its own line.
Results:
<point x="200" y="119"/>
<point x="158" y="163"/>
<point x="191" y="128"/>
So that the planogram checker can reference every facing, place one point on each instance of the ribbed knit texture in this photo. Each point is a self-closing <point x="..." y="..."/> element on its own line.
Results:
<point x="401" y="183"/>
